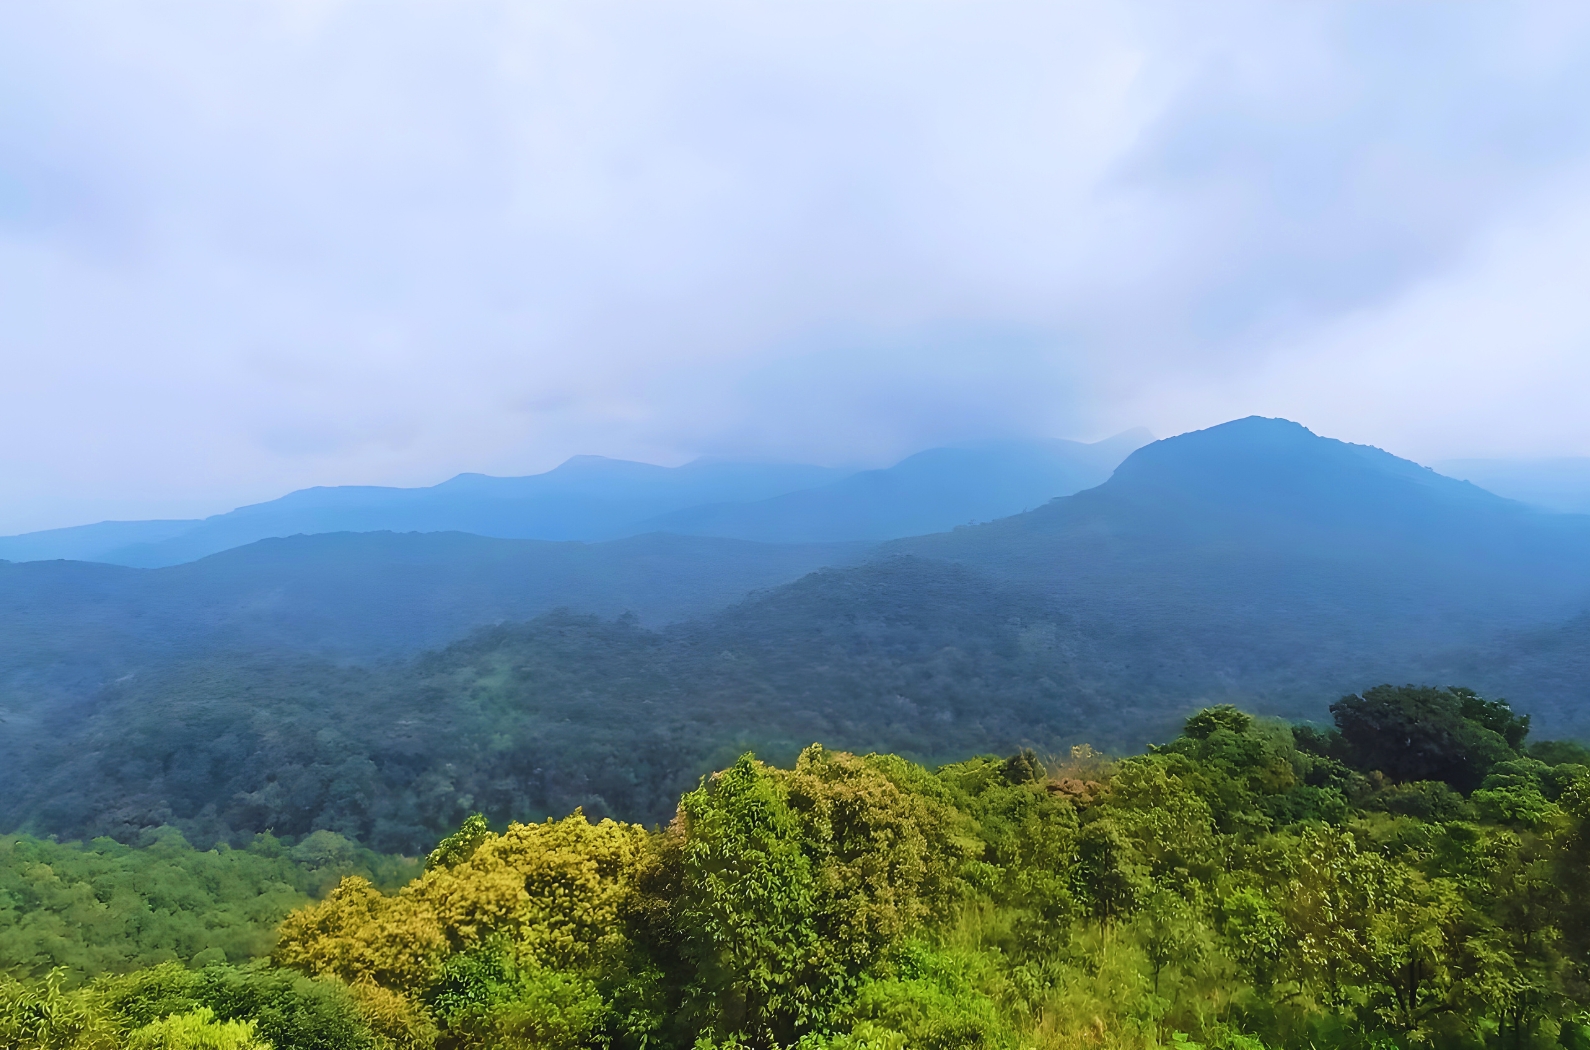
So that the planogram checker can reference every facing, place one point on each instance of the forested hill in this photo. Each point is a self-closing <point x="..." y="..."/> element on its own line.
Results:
<point x="1253" y="563"/>
<point x="364" y="595"/>
<point x="919" y="657"/>
<point x="1263" y="545"/>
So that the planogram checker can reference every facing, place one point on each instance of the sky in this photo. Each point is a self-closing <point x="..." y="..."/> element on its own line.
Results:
<point x="250" y="247"/>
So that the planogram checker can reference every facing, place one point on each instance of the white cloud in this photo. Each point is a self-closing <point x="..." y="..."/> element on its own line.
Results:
<point x="1491" y="356"/>
<point x="253" y="246"/>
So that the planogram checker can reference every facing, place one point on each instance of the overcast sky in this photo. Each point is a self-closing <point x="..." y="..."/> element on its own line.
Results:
<point x="248" y="247"/>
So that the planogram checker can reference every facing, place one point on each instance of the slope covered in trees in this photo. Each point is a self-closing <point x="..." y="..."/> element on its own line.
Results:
<point x="523" y="721"/>
<point x="1246" y="885"/>
<point x="529" y="720"/>
<point x="78" y="910"/>
<point x="1254" y="563"/>
<point x="1261" y="526"/>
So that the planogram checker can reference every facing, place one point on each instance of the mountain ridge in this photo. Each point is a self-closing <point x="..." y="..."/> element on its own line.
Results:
<point x="1253" y="563"/>
<point x="594" y="499"/>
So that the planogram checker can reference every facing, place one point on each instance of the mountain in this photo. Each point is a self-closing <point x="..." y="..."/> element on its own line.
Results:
<point x="931" y="491"/>
<point x="588" y="498"/>
<point x="530" y="720"/>
<point x="1256" y="560"/>
<point x="1561" y="484"/>
<point x="591" y="499"/>
<point x="90" y="542"/>
<point x="1262" y="513"/>
<point x="1253" y="562"/>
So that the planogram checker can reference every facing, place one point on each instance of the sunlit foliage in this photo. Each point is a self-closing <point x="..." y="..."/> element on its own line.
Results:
<point x="1247" y="885"/>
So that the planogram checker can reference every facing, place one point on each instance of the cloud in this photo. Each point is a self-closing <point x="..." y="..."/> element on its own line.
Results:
<point x="254" y="246"/>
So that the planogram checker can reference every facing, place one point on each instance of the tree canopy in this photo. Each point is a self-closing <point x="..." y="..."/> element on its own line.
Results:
<point x="1248" y="884"/>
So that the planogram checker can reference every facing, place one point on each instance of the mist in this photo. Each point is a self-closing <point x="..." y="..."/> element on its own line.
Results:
<point x="253" y="248"/>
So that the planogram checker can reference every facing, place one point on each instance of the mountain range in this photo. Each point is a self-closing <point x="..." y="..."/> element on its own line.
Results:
<point x="592" y="499"/>
<point x="383" y="685"/>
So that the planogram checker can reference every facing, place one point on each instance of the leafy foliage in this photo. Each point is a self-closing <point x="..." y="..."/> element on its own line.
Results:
<point x="85" y="909"/>
<point x="1229" y="889"/>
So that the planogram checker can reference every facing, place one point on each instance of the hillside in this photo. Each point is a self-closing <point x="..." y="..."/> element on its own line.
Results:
<point x="1244" y="885"/>
<point x="1254" y="563"/>
<point x="925" y="658"/>
<point x="566" y="711"/>
<point x="1260" y="525"/>
<point x="68" y="628"/>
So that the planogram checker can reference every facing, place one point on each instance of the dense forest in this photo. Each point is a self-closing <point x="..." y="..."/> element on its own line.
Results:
<point x="289" y="687"/>
<point x="520" y="721"/>
<point x="77" y="910"/>
<point x="523" y="721"/>
<point x="1413" y="877"/>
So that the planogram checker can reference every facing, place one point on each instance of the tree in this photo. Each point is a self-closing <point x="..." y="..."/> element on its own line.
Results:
<point x="1325" y="901"/>
<point x="746" y="909"/>
<point x="1172" y="934"/>
<point x="1256" y="934"/>
<point x="1411" y="933"/>
<point x="1422" y="733"/>
<point x="1108" y="880"/>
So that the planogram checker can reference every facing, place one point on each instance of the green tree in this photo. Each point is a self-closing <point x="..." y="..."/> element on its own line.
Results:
<point x="1422" y="733"/>
<point x="747" y="910"/>
<point x="1172" y="933"/>
<point x="1107" y="875"/>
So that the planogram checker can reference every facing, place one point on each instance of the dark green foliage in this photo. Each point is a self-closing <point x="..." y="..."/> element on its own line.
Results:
<point x="1560" y="752"/>
<point x="461" y="844"/>
<point x="1495" y="715"/>
<point x="290" y="1010"/>
<point x="1254" y="562"/>
<point x="1421" y="799"/>
<point x="1023" y="767"/>
<point x="488" y="999"/>
<point x="1106" y="878"/>
<point x="1423" y="733"/>
<point x="526" y="721"/>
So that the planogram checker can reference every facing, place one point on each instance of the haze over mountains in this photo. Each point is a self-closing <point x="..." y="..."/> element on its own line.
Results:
<point x="931" y="491"/>
<point x="1253" y="562"/>
<point x="591" y="499"/>
<point x="1561" y="484"/>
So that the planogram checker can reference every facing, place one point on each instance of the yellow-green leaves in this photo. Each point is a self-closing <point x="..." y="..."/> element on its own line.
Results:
<point x="198" y="1030"/>
<point x="554" y="890"/>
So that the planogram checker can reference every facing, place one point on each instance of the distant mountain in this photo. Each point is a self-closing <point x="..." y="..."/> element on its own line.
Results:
<point x="1273" y="561"/>
<point x="588" y="498"/>
<point x="1253" y="562"/>
<point x="931" y="491"/>
<point x="591" y="499"/>
<point x="91" y="542"/>
<point x="1310" y="514"/>
<point x="67" y="627"/>
<point x="1561" y="484"/>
